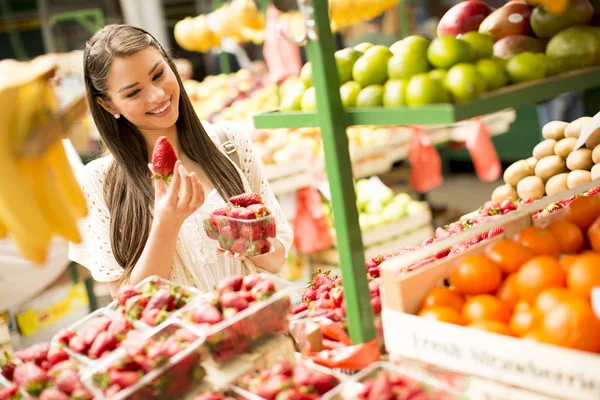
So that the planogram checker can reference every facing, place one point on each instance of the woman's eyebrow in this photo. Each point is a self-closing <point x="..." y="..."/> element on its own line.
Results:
<point x="128" y="87"/>
<point x="154" y="67"/>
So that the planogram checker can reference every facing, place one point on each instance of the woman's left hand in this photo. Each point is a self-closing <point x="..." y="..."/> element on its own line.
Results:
<point x="229" y="254"/>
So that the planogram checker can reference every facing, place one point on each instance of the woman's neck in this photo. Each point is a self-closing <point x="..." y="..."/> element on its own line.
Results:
<point x="152" y="136"/>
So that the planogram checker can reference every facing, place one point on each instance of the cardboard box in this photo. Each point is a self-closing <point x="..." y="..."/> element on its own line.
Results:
<point x="546" y="369"/>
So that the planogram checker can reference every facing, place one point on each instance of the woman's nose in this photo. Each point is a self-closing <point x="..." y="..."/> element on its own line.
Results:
<point x="156" y="95"/>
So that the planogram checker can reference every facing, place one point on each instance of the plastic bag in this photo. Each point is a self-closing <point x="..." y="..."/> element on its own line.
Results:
<point x="483" y="153"/>
<point x="311" y="229"/>
<point x="282" y="57"/>
<point x="425" y="162"/>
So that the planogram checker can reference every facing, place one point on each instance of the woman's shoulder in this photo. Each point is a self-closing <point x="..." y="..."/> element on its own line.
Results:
<point x="94" y="172"/>
<point x="233" y="131"/>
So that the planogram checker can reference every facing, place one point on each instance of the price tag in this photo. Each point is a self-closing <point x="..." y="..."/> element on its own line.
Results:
<point x="587" y="130"/>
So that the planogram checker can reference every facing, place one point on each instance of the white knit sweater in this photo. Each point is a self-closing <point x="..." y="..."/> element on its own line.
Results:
<point x="196" y="262"/>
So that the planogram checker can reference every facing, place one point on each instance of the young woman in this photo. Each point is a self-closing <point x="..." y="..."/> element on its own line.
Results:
<point x="135" y="230"/>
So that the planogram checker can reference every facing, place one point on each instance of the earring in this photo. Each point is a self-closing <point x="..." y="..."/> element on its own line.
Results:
<point x="117" y="116"/>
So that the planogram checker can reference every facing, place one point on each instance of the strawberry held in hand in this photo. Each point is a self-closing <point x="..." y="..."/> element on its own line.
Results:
<point x="163" y="159"/>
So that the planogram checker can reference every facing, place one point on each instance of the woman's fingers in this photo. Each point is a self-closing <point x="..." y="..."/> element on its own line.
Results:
<point x="159" y="185"/>
<point x="197" y="192"/>
<point x="239" y="257"/>
<point x="173" y="192"/>
<point x="185" y="194"/>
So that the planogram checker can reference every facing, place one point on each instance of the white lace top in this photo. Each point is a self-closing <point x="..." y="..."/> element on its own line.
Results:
<point x="196" y="262"/>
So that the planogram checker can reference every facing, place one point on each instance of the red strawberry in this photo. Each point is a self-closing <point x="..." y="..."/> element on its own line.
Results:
<point x="7" y="393"/>
<point x="272" y="386"/>
<point x="251" y="231"/>
<point x="381" y="388"/>
<point x="250" y="281"/>
<point x="223" y="212"/>
<point x="154" y="316"/>
<point x="241" y="213"/>
<point x="209" y="396"/>
<point x="594" y="191"/>
<point x="376" y="304"/>
<point x="159" y="353"/>
<point x="185" y="336"/>
<point x="310" y="294"/>
<point x="442" y="253"/>
<point x="134" y="306"/>
<point x="68" y="381"/>
<point x="103" y="343"/>
<point x="231" y="231"/>
<point x="427" y="242"/>
<point x="259" y="210"/>
<point x="159" y="300"/>
<point x="57" y="354"/>
<point x="36" y="353"/>
<point x="230" y="284"/>
<point x="263" y="289"/>
<point x="77" y="345"/>
<point x="88" y="335"/>
<point x="320" y="279"/>
<point x="441" y="233"/>
<point x="507" y="205"/>
<point x="491" y="208"/>
<point x="323" y="383"/>
<point x="240" y="246"/>
<point x="226" y="242"/>
<point x="125" y="292"/>
<point x="53" y="394"/>
<point x="374" y="287"/>
<point x="124" y="378"/>
<point x="245" y="199"/>
<point x="119" y="327"/>
<point x="211" y="231"/>
<point x="270" y="228"/>
<point x="233" y="300"/>
<point x="57" y="369"/>
<point x="113" y="390"/>
<point x="64" y="336"/>
<point x="163" y="159"/>
<point x="259" y="248"/>
<point x="30" y="377"/>
<point x="206" y="313"/>
<point x="298" y="308"/>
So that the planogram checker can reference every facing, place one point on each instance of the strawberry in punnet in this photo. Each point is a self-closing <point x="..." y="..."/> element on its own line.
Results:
<point x="57" y="354"/>
<point x="64" y="336"/>
<point x="241" y="213"/>
<point x="246" y="199"/>
<point x="226" y="242"/>
<point x="230" y="284"/>
<point x="495" y="232"/>
<point x="31" y="378"/>
<point x="154" y="317"/>
<point x="270" y="228"/>
<point x="491" y="208"/>
<point x="233" y="300"/>
<point x="163" y="159"/>
<point x="103" y="343"/>
<point x="53" y="394"/>
<point x="441" y="233"/>
<point x="507" y="205"/>
<point x="321" y="278"/>
<point x="594" y="191"/>
<point x="239" y="246"/>
<point x="125" y="292"/>
<point x="7" y="393"/>
<point x="298" y="308"/>
<point x="119" y="327"/>
<point x="263" y="289"/>
<point x="250" y="281"/>
<point x="77" y="345"/>
<point x="310" y="294"/>
<point x="258" y="248"/>
<point x="251" y="231"/>
<point x="259" y="210"/>
<point x="68" y="381"/>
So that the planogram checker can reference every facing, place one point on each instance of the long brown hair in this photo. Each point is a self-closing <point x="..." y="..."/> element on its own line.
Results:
<point x="128" y="187"/>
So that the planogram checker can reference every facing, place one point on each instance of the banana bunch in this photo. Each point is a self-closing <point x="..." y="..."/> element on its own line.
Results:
<point x="344" y="13"/>
<point x="39" y="196"/>
<point x="240" y="21"/>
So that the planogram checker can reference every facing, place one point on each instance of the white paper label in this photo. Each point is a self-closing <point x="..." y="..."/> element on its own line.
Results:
<point x="588" y="128"/>
<point x="515" y="18"/>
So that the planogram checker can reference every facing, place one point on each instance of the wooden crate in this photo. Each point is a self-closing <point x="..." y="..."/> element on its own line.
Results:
<point x="547" y="369"/>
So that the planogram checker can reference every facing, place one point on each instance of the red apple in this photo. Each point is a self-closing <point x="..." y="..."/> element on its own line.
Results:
<point x="464" y="17"/>
<point x="512" y="19"/>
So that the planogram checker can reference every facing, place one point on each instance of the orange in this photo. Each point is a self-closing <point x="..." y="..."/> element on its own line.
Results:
<point x="569" y="236"/>
<point x="508" y="255"/>
<point x="548" y="299"/>
<point x="485" y="307"/>
<point x="567" y="260"/>
<point x="572" y="324"/>
<point x="539" y="273"/>
<point x="443" y="297"/>
<point x="583" y="211"/>
<point x="533" y="335"/>
<point x="584" y="274"/>
<point x="492" y="326"/>
<point x="508" y="293"/>
<point x="593" y="234"/>
<point x="524" y="319"/>
<point x="540" y="241"/>
<point x="444" y="314"/>
<point x="476" y="275"/>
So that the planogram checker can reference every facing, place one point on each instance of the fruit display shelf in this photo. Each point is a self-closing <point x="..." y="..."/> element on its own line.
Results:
<point x="518" y="95"/>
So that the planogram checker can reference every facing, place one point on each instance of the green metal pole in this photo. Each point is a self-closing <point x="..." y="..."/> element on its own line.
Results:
<point x="404" y="19"/>
<point x="223" y="56"/>
<point x="333" y="123"/>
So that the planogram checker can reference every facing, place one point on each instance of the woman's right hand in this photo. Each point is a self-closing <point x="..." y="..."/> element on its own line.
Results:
<point x="175" y="203"/>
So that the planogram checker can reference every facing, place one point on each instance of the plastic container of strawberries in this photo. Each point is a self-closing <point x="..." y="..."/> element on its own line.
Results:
<point x="430" y="388"/>
<point x="254" y="237"/>
<point x="92" y="327"/>
<point x="135" y="313"/>
<point x="236" y="334"/>
<point x="169" y="379"/>
<point x="248" y="395"/>
<point x="15" y="392"/>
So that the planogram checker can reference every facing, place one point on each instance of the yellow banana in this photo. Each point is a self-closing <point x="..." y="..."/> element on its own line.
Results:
<point x="56" y="159"/>
<point x="50" y="197"/>
<point x="3" y="230"/>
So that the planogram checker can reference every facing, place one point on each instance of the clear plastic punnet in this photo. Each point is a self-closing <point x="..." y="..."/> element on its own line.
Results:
<point x="403" y="384"/>
<point x="97" y="335"/>
<point x="11" y="391"/>
<point x="152" y="301"/>
<point x="163" y="364"/>
<point x="253" y="237"/>
<point x="233" y="321"/>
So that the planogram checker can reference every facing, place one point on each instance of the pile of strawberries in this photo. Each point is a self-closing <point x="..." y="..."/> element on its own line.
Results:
<point x="391" y="386"/>
<point x="324" y="297"/>
<point x="141" y="354"/>
<point x="245" y="226"/>
<point x="97" y="338"/>
<point x="153" y="303"/>
<point x="232" y="296"/>
<point x="283" y="381"/>
<point x="43" y="370"/>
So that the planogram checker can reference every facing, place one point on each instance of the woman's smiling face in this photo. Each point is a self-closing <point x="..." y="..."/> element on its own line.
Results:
<point x="144" y="90"/>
